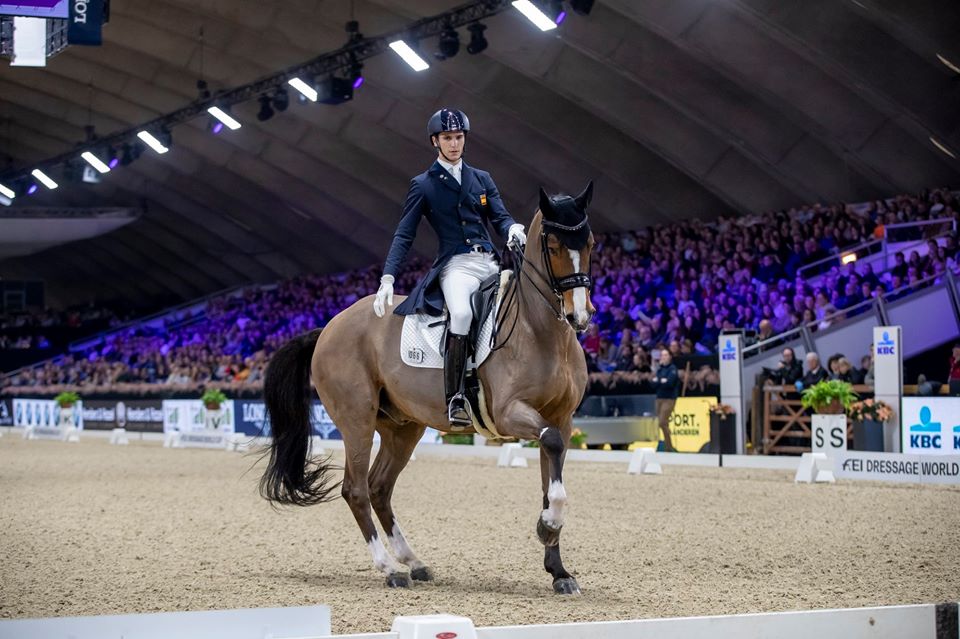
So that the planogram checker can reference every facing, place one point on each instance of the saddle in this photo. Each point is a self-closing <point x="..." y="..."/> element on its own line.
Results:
<point x="423" y="338"/>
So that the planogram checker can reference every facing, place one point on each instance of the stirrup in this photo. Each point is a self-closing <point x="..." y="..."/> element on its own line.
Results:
<point x="458" y="411"/>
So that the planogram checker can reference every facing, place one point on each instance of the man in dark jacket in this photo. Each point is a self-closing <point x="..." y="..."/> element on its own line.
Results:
<point x="815" y="372"/>
<point x="666" y="380"/>
<point x="788" y="371"/>
<point x="457" y="200"/>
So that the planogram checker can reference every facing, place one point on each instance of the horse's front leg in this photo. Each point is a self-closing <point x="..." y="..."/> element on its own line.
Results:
<point x="523" y="421"/>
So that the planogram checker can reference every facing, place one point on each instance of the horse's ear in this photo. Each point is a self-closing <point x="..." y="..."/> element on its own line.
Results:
<point x="583" y="200"/>
<point x="546" y="208"/>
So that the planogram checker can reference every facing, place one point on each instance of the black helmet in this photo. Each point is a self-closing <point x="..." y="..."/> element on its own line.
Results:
<point x="447" y="120"/>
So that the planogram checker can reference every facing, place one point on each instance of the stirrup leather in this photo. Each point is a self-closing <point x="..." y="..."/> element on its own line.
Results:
<point x="454" y="370"/>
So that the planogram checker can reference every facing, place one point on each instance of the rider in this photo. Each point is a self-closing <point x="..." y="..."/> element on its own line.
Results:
<point x="456" y="199"/>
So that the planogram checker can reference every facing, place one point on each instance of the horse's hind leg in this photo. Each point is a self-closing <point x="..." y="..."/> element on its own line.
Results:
<point x="357" y="444"/>
<point x="396" y="446"/>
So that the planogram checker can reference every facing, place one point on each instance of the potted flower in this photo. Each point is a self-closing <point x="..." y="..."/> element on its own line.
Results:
<point x="578" y="439"/>
<point x="722" y="425"/>
<point x="829" y="397"/>
<point x="213" y="399"/>
<point x="868" y="418"/>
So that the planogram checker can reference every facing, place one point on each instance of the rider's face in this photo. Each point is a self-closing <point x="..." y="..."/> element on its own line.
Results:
<point x="451" y="145"/>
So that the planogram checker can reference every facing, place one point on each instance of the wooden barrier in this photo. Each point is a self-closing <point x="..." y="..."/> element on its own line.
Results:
<point x="786" y="425"/>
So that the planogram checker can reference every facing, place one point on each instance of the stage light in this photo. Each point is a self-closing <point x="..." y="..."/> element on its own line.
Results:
<point x="266" y="111"/>
<point x="409" y="56"/>
<point x="477" y="40"/>
<point x="95" y="162"/>
<point x="152" y="142"/>
<point x="534" y="15"/>
<point x="113" y="157"/>
<point x="5" y="201"/>
<point x="355" y="74"/>
<point x="581" y="7"/>
<point x="224" y="117"/>
<point x="940" y="145"/>
<point x="281" y="100"/>
<point x="32" y="189"/>
<point x="7" y="192"/>
<point x="44" y="179"/>
<point x="449" y="44"/>
<point x="849" y="258"/>
<point x="131" y="152"/>
<point x="305" y="89"/>
<point x="214" y="125"/>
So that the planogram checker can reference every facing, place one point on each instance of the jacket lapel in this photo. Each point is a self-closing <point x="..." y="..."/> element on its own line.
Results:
<point x="440" y="175"/>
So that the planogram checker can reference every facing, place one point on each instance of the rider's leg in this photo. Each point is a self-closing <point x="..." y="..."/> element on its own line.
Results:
<point x="459" y="281"/>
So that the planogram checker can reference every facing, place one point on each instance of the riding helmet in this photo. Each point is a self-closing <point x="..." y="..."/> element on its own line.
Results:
<point x="447" y="120"/>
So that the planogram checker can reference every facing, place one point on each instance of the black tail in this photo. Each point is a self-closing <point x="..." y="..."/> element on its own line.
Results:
<point x="291" y="477"/>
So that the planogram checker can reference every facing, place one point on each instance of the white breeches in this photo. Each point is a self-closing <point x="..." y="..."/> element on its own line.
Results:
<point x="459" y="280"/>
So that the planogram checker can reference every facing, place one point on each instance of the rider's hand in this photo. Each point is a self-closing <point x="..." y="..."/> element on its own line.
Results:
<point x="516" y="236"/>
<point x="384" y="294"/>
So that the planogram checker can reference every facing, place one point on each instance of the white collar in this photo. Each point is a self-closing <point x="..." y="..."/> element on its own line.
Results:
<point x="449" y="167"/>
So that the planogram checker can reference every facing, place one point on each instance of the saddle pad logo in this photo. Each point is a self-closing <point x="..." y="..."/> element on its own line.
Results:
<point x="416" y="355"/>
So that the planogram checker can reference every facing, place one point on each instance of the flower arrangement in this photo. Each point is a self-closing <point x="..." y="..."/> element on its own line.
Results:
<point x="870" y="410"/>
<point x="829" y="396"/>
<point x="67" y="399"/>
<point x="578" y="439"/>
<point x="721" y="409"/>
<point x="212" y="398"/>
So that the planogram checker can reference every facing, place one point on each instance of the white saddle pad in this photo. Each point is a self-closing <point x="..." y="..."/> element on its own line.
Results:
<point x="420" y="342"/>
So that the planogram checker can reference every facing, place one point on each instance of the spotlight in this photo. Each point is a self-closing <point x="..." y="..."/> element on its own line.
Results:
<point x="281" y="100"/>
<point x="410" y="56"/>
<point x="307" y="92"/>
<point x="355" y="74"/>
<point x="131" y="152"/>
<point x="534" y="15"/>
<point x="95" y="162"/>
<point x="581" y="7"/>
<point x="225" y="117"/>
<point x="266" y="111"/>
<point x="7" y="192"/>
<point x="334" y="90"/>
<point x="44" y="179"/>
<point x="477" y="40"/>
<point x="111" y="155"/>
<point x="449" y="44"/>
<point x="32" y="189"/>
<point x="153" y="142"/>
<point x="214" y="125"/>
<point x="203" y="93"/>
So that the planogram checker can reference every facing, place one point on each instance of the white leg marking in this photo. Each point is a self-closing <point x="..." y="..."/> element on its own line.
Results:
<point x="402" y="549"/>
<point x="557" y="498"/>
<point x="382" y="559"/>
<point x="579" y="293"/>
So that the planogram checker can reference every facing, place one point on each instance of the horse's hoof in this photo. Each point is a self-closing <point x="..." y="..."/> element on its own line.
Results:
<point x="398" y="580"/>
<point x="566" y="586"/>
<point x="421" y="574"/>
<point x="548" y="536"/>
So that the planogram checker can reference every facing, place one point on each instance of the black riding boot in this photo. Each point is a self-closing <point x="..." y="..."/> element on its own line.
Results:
<point x="454" y="369"/>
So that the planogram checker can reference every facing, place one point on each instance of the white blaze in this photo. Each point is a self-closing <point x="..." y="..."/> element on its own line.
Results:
<point x="579" y="293"/>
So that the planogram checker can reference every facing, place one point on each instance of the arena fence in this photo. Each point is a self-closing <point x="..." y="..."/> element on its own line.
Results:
<point x="926" y="621"/>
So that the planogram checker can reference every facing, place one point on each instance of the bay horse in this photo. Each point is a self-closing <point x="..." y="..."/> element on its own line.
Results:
<point x="533" y="382"/>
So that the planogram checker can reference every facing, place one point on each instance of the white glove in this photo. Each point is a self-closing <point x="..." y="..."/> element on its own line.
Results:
<point x="516" y="236"/>
<point x="384" y="294"/>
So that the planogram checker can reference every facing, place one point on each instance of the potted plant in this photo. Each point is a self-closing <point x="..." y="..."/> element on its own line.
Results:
<point x="578" y="439"/>
<point x="722" y="425"/>
<point x="213" y="399"/>
<point x="829" y="397"/>
<point x="465" y="439"/>
<point x="66" y="400"/>
<point x="868" y="418"/>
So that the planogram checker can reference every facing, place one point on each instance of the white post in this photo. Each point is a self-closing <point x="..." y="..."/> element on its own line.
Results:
<point x="888" y="380"/>
<point x="730" y="348"/>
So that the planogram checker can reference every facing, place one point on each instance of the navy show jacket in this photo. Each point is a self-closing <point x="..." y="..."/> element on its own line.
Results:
<point x="457" y="213"/>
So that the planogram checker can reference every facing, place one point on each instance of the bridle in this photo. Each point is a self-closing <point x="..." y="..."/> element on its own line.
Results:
<point x="556" y="285"/>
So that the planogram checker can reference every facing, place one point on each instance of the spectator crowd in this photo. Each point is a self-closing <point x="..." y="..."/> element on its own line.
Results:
<point x="667" y="288"/>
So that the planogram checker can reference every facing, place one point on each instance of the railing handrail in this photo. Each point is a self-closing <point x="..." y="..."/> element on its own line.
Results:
<point x="906" y="225"/>
<point x="838" y="255"/>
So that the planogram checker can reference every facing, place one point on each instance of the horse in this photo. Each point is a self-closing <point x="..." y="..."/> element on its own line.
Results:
<point x="533" y="382"/>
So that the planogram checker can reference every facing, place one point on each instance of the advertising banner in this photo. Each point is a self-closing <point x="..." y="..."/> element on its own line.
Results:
<point x="36" y="8"/>
<point x="690" y="423"/>
<point x="942" y="469"/>
<point x="931" y="425"/>
<point x="322" y="424"/>
<point x="252" y="419"/>
<point x="187" y="415"/>
<point x="6" y="412"/>
<point x="44" y="413"/>
<point x="731" y="381"/>
<point x="136" y="415"/>
<point x="85" y="22"/>
<point x="888" y="381"/>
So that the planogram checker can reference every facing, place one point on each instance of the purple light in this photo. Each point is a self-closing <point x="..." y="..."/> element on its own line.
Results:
<point x="561" y="17"/>
<point x="33" y="189"/>
<point x="114" y="162"/>
<point x="217" y="128"/>
<point x="358" y="82"/>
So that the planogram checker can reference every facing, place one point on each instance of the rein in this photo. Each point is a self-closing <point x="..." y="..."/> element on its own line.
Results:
<point x="557" y="286"/>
